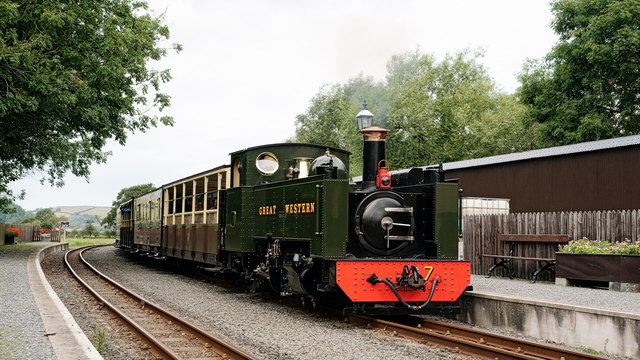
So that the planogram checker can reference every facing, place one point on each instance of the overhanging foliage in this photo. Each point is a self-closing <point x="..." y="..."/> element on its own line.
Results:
<point x="74" y="74"/>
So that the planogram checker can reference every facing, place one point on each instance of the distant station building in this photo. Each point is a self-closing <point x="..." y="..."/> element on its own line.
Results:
<point x="597" y="175"/>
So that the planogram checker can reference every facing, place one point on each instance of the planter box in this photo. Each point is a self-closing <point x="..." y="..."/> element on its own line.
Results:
<point x="9" y="240"/>
<point x="599" y="267"/>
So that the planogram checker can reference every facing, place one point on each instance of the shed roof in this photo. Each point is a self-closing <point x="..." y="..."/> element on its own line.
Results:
<point x="547" y="152"/>
<point x="533" y="154"/>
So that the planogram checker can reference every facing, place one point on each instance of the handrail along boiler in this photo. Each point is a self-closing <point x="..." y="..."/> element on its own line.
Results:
<point x="285" y="216"/>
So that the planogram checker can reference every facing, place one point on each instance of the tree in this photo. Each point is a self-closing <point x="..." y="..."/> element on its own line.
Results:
<point x="109" y="221"/>
<point x="587" y="87"/>
<point x="46" y="218"/>
<point x="14" y="215"/>
<point x="30" y="220"/>
<point x="74" y="74"/>
<point x="44" y="214"/>
<point x="89" y="228"/>
<point x="504" y="129"/>
<point x="109" y="233"/>
<point x="323" y="121"/>
<point x="435" y="112"/>
<point x="449" y="110"/>
<point x="330" y="119"/>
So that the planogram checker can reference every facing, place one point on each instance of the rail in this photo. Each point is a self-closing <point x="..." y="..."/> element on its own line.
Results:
<point x="471" y="341"/>
<point x="191" y="341"/>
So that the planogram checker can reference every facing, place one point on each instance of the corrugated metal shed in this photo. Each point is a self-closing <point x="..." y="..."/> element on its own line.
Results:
<point x="598" y="175"/>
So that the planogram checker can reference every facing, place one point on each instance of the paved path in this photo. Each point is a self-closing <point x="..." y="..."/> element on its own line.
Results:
<point x="34" y="324"/>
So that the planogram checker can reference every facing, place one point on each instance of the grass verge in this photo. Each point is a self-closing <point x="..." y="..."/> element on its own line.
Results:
<point x="91" y="241"/>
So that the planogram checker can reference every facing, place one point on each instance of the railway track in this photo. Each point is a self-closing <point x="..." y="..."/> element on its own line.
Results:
<point x="168" y="335"/>
<point x="470" y="341"/>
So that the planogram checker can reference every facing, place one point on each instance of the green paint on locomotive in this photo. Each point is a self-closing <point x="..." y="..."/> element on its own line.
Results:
<point x="269" y="203"/>
<point x="335" y="219"/>
<point x="311" y="210"/>
<point x="446" y="220"/>
<point x="239" y="220"/>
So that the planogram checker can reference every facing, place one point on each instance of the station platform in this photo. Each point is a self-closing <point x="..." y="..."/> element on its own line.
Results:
<point x="34" y="323"/>
<point x="598" y="320"/>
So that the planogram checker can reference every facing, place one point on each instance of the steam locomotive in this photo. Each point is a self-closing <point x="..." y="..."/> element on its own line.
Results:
<point x="287" y="217"/>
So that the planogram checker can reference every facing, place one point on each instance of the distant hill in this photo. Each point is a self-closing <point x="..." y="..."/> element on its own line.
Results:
<point x="100" y="211"/>
<point x="78" y="215"/>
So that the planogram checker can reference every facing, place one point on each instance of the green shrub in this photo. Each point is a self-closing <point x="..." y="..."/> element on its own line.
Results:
<point x="586" y="246"/>
<point x="100" y="338"/>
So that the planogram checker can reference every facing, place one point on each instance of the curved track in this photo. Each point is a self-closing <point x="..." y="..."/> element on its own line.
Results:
<point x="168" y="335"/>
<point x="470" y="341"/>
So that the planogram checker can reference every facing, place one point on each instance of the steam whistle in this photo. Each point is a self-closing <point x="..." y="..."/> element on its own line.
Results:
<point x="383" y="179"/>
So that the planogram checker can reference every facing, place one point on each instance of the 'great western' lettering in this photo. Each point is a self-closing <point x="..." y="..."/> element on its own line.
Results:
<point x="267" y="210"/>
<point x="293" y="209"/>
<point x="300" y="208"/>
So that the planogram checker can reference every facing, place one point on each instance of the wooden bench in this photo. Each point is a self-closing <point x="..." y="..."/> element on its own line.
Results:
<point x="544" y="264"/>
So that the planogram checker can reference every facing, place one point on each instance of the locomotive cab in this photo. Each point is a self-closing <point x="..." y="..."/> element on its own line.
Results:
<point x="289" y="207"/>
<point x="280" y="162"/>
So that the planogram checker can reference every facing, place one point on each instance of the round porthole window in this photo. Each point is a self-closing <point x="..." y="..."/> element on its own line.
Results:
<point x="267" y="163"/>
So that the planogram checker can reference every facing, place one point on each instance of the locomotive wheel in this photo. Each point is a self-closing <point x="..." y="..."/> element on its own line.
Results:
<point x="309" y="279"/>
<point x="278" y="279"/>
<point x="371" y="217"/>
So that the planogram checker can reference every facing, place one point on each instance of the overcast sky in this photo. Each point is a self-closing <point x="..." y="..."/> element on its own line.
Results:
<point x="248" y="67"/>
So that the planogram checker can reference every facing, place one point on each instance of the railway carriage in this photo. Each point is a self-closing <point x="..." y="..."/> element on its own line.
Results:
<point x="287" y="217"/>
<point x="124" y="217"/>
<point x="190" y="228"/>
<point x="147" y="215"/>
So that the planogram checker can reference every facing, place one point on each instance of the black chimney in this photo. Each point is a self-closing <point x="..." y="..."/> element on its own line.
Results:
<point x="373" y="151"/>
<point x="373" y="136"/>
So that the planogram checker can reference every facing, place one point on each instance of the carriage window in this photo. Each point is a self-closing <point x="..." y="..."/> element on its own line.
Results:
<point x="199" y="194"/>
<point x="188" y="204"/>
<point x="170" y="210"/>
<point x="267" y="163"/>
<point x="212" y="182"/>
<point x="178" y="205"/>
<point x="199" y="202"/>
<point x="224" y="180"/>
<point x="212" y="200"/>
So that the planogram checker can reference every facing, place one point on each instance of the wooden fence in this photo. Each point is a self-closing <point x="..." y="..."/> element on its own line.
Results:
<point x="29" y="233"/>
<point x="481" y="234"/>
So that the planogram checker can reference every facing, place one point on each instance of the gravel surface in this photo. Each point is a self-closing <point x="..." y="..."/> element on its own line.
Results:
<point x="549" y="292"/>
<point x="266" y="330"/>
<point x="108" y="334"/>
<point x="21" y="329"/>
